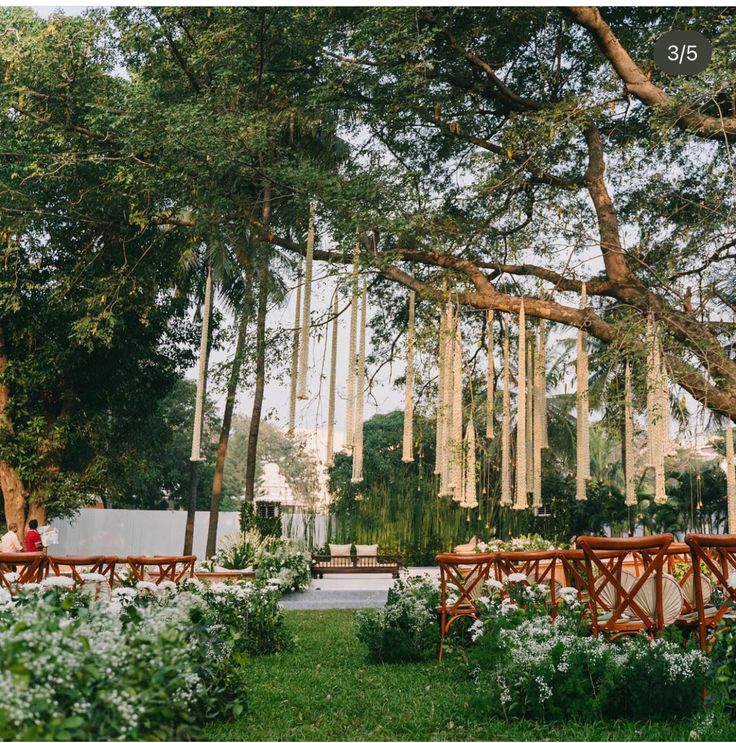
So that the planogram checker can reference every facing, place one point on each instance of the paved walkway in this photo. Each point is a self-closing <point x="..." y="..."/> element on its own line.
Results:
<point x="365" y="591"/>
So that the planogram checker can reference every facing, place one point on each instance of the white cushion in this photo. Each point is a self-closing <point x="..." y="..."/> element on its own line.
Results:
<point x="366" y="550"/>
<point x="340" y="550"/>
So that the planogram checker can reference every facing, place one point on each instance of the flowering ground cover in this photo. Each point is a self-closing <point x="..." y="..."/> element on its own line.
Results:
<point x="149" y="663"/>
<point x="327" y="689"/>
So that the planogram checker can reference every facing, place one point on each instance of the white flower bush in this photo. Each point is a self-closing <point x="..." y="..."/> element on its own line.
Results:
<point x="281" y="563"/>
<point x="144" y="665"/>
<point x="552" y="670"/>
<point x="405" y="630"/>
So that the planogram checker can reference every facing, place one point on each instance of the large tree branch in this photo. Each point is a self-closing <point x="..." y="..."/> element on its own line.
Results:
<point x="639" y="85"/>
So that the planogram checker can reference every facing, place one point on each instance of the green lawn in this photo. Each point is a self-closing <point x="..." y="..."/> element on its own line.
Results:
<point x="325" y="690"/>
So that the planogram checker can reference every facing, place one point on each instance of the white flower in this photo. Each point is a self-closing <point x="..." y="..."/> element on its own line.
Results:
<point x="146" y="585"/>
<point x="732" y="580"/>
<point x="493" y="583"/>
<point x="58" y="581"/>
<point x="516" y="577"/>
<point x="93" y="577"/>
<point x="11" y="577"/>
<point x="124" y="595"/>
<point x="567" y="591"/>
<point x="30" y="587"/>
<point x="167" y="585"/>
<point x="5" y="597"/>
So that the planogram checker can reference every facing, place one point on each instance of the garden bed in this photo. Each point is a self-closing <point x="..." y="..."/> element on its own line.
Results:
<point x="326" y="690"/>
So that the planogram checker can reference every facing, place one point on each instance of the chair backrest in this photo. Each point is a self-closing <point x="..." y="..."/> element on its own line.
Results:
<point x="95" y="563"/>
<point x="717" y="554"/>
<point x="539" y="567"/>
<point x="30" y="566"/>
<point x="604" y="560"/>
<point x="175" y="568"/>
<point x="678" y="554"/>
<point x="467" y="575"/>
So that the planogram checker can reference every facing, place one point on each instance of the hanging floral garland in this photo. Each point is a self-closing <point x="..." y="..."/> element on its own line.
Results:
<point x="333" y="385"/>
<point x="306" y="311"/>
<point x="506" y="499"/>
<point x="521" y="429"/>
<point x="294" y="377"/>
<point x="730" y="479"/>
<point x="583" y="413"/>
<point x="352" y="349"/>
<point x="630" y="499"/>
<point x="455" y="432"/>
<point x="490" y="375"/>
<point x="407" y="451"/>
<point x="360" y="393"/>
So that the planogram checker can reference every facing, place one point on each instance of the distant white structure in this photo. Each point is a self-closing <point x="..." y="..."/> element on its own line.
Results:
<point x="274" y="488"/>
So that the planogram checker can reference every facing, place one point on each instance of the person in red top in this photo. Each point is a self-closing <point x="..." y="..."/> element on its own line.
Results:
<point x="33" y="538"/>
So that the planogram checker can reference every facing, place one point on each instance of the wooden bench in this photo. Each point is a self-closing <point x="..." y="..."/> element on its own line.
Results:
<point x="329" y="564"/>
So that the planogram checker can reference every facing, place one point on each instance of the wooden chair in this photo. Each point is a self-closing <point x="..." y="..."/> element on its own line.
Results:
<point x="717" y="553"/>
<point x="467" y="575"/>
<point x="102" y="564"/>
<point x="620" y="601"/>
<point x="539" y="567"/>
<point x="174" y="568"/>
<point x="678" y="554"/>
<point x="30" y="566"/>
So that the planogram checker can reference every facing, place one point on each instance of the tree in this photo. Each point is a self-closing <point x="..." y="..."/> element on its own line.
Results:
<point x="93" y="327"/>
<point x="516" y="158"/>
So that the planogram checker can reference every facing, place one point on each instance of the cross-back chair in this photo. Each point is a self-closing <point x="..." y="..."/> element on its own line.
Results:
<point x="30" y="566"/>
<point x="539" y="567"/>
<point x="717" y="554"/>
<point x="462" y="578"/>
<point x="102" y="564"/>
<point x="160" y="568"/>
<point x="620" y="601"/>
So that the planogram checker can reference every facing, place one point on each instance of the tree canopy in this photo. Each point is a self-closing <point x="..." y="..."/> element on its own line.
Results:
<point x="481" y="155"/>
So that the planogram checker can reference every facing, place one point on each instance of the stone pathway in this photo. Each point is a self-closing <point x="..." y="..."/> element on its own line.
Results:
<point x="348" y="591"/>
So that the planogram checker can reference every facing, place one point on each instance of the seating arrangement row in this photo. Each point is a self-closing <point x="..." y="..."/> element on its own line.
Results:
<point x="627" y="585"/>
<point x="32" y="567"/>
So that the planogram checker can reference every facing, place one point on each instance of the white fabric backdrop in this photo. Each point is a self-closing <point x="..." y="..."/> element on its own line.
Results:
<point x="119" y="531"/>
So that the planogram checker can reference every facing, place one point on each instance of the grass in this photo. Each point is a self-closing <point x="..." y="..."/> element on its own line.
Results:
<point x="325" y="690"/>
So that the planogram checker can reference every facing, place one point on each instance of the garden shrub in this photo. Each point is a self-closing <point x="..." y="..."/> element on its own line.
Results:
<point x="242" y="550"/>
<point x="722" y="683"/>
<point x="152" y="663"/>
<point x="266" y="526"/>
<point x="284" y="563"/>
<point x="529" y="666"/>
<point x="405" y="630"/>
<point x="280" y="563"/>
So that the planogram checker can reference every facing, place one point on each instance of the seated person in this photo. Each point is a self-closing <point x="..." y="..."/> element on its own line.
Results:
<point x="33" y="538"/>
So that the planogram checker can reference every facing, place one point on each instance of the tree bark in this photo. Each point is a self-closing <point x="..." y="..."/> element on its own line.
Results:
<point x="14" y="493"/>
<point x="227" y="419"/>
<point x="640" y="86"/>
<point x="195" y="459"/>
<point x="255" y="417"/>
<point x="262" y="311"/>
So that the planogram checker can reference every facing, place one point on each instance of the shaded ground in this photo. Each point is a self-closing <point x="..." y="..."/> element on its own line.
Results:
<point x="325" y="690"/>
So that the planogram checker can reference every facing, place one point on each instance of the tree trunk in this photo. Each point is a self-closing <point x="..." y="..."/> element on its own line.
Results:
<point x="195" y="459"/>
<point x="14" y="493"/>
<point x="227" y="418"/>
<point x="255" y="418"/>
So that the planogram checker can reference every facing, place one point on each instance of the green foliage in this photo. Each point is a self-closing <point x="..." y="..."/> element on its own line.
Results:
<point x="251" y="519"/>
<point x="396" y="505"/>
<point x="722" y="688"/>
<point x="327" y="691"/>
<point x="284" y="564"/>
<point x="137" y="667"/>
<point x="550" y="671"/>
<point x="405" y="630"/>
